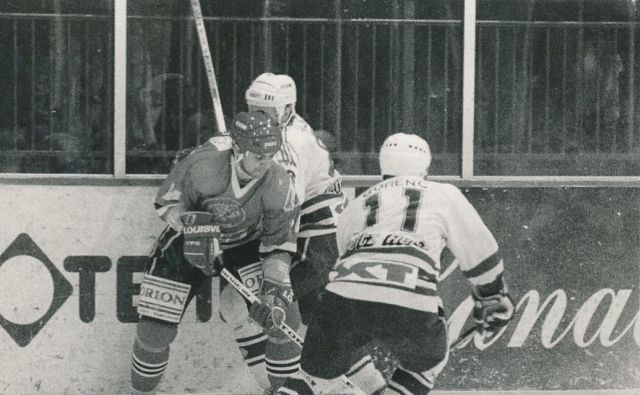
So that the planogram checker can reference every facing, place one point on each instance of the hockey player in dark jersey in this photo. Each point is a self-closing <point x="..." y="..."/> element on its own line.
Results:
<point x="249" y="207"/>
<point x="384" y="286"/>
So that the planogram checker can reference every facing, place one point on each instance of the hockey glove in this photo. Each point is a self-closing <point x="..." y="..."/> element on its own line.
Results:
<point x="492" y="312"/>
<point x="275" y="294"/>
<point x="201" y="245"/>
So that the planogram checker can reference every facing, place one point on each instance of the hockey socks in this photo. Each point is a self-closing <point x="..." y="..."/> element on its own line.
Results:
<point x="283" y="360"/>
<point x="147" y="366"/>
<point x="252" y="343"/>
<point x="150" y="355"/>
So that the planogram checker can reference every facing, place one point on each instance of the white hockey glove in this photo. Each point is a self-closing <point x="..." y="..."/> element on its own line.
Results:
<point x="492" y="312"/>
<point x="201" y="245"/>
<point x="275" y="295"/>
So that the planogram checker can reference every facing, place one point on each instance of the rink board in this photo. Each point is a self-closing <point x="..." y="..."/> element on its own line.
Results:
<point x="71" y="257"/>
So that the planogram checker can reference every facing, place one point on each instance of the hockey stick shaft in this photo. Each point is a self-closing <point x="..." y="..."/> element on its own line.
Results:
<point x="208" y="65"/>
<point x="291" y="334"/>
<point x="469" y="333"/>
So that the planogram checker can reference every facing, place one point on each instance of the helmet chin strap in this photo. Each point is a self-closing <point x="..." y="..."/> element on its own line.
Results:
<point x="288" y="112"/>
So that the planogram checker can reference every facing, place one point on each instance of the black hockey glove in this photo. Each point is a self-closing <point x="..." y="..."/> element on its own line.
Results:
<point x="201" y="245"/>
<point x="492" y="312"/>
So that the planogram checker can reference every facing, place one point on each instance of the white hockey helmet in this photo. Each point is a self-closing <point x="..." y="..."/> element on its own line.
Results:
<point x="404" y="154"/>
<point x="275" y="91"/>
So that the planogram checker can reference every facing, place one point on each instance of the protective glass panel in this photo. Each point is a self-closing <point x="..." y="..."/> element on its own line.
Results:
<point x="56" y="105"/>
<point x="556" y="88"/>
<point x="169" y="107"/>
<point x="363" y="70"/>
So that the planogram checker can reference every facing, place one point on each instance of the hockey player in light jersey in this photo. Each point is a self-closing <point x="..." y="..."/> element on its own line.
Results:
<point x="249" y="208"/>
<point x="384" y="286"/>
<point x="307" y="160"/>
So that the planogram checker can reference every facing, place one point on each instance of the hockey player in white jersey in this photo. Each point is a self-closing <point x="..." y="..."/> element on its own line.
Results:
<point x="384" y="286"/>
<point x="317" y="183"/>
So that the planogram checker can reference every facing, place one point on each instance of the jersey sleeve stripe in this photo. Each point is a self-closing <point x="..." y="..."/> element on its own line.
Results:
<point x="316" y="227"/>
<point x="322" y="198"/>
<point x="484" y="266"/>
<point x="318" y="215"/>
<point x="494" y="287"/>
<point x="489" y="276"/>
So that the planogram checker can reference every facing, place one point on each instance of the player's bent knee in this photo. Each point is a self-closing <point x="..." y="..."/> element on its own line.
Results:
<point x="155" y="335"/>
<point x="233" y="308"/>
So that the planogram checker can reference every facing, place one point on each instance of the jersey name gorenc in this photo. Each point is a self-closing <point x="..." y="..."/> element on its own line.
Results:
<point x="391" y="237"/>
<point x="317" y="184"/>
<point x="206" y="180"/>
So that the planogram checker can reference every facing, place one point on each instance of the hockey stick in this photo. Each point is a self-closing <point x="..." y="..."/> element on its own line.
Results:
<point x="458" y="344"/>
<point x="291" y="334"/>
<point x="208" y="65"/>
<point x="286" y="329"/>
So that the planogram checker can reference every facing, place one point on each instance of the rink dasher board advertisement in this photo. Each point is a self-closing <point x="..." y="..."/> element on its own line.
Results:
<point x="71" y="262"/>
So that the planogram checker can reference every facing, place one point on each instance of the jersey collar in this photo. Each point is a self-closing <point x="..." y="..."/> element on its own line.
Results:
<point x="239" y="191"/>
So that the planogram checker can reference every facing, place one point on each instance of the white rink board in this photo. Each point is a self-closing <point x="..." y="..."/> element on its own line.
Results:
<point x="69" y="356"/>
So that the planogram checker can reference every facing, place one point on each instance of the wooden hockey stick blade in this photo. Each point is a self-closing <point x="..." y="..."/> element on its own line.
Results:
<point x="469" y="333"/>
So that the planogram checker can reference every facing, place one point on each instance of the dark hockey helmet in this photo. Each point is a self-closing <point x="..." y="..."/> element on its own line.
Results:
<point x="257" y="132"/>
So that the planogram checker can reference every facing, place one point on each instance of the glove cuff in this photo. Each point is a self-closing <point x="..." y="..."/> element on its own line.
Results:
<point x="495" y="288"/>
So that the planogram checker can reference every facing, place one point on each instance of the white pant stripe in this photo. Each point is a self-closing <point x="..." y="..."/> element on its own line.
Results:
<point x="395" y="387"/>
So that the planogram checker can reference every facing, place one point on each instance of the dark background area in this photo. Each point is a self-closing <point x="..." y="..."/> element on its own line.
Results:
<point x="556" y="86"/>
